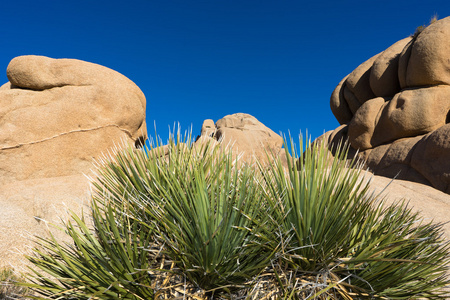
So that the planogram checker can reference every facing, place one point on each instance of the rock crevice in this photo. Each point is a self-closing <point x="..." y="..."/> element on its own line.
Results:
<point x="128" y="133"/>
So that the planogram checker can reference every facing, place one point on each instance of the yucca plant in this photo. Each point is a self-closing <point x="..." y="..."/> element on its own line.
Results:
<point x="339" y="239"/>
<point x="113" y="261"/>
<point x="207" y="209"/>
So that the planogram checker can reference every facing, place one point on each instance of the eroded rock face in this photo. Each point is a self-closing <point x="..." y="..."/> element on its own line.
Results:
<point x="244" y="133"/>
<point x="394" y="108"/>
<point x="56" y="115"/>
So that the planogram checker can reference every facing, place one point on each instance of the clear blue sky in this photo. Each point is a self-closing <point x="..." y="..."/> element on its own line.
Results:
<point x="276" y="60"/>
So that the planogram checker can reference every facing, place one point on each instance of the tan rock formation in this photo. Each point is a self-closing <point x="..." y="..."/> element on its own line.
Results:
<point x="429" y="62"/>
<point x="245" y="134"/>
<point x="56" y="115"/>
<point x="208" y="128"/>
<point x="384" y="80"/>
<point x="395" y="108"/>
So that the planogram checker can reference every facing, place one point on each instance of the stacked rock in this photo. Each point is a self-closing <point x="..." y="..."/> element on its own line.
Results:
<point x="394" y="108"/>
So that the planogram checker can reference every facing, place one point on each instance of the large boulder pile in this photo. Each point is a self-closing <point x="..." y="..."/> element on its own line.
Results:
<point x="56" y="117"/>
<point x="395" y="109"/>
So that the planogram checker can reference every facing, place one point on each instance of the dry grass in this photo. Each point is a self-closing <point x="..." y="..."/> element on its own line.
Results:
<point x="422" y="27"/>
<point x="8" y="287"/>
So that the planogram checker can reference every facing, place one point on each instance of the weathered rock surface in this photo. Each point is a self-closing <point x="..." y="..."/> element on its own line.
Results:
<point x="433" y="205"/>
<point x="56" y="115"/>
<point x="29" y="207"/>
<point x="245" y="134"/>
<point x="395" y="108"/>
